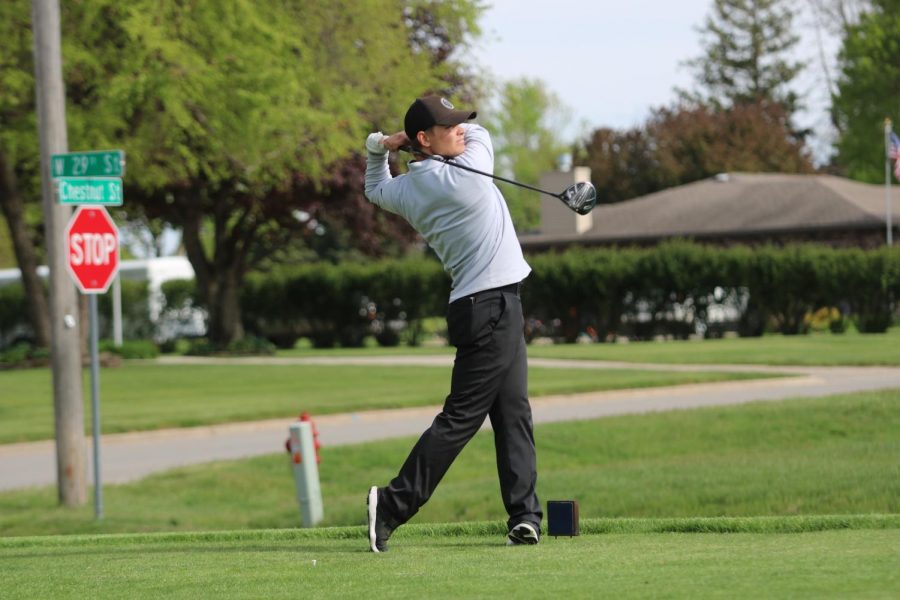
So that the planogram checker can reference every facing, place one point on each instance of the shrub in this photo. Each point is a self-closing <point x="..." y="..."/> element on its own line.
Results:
<point x="136" y="322"/>
<point x="248" y="346"/>
<point x="23" y="355"/>
<point x="131" y="349"/>
<point x="14" y="326"/>
<point x="344" y="303"/>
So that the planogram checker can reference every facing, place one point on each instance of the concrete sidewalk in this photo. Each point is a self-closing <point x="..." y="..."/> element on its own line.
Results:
<point x="130" y="456"/>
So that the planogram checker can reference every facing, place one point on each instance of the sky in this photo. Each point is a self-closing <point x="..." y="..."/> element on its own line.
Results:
<point x="611" y="61"/>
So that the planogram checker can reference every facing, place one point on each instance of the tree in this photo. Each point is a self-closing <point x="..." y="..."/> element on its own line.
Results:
<point x="693" y="143"/>
<point x="746" y="44"/>
<point x="20" y="156"/>
<point x="868" y="90"/>
<point x="274" y="103"/>
<point x="236" y="117"/>
<point x="686" y="143"/>
<point x="440" y="29"/>
<point x="739" y="118"/>
<point x="526" y="133"/>
<point x="836" y="16"/>
<point x="7" y="255"/>
<point x="623" y="164"/>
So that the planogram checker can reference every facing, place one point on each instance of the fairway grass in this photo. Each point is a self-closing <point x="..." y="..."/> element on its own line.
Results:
<point x="145" y="396"/>
<point x="786" y="557"/>
<point x="825" y="349"/>
<point x="818" y="456"/>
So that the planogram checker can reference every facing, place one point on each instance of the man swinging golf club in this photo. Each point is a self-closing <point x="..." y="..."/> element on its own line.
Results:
<point x="464" y="218"/>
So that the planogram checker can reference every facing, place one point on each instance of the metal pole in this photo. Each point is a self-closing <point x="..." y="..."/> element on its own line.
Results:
<point x="65" y="343"/>
<point x="95" y="407"/>
<point x="117" y="311"/>
<point x="887" y="183"/>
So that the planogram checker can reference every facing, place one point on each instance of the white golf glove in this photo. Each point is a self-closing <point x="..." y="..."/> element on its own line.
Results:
<point x="373" y="143"/>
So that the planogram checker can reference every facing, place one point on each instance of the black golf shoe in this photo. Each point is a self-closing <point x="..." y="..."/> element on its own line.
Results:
<point x="523" y="534"/>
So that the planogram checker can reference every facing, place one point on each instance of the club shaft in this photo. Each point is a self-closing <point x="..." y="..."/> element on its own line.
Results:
<point x="491" y="175"/>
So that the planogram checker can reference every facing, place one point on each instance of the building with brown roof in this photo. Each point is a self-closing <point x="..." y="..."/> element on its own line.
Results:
<point x="746" y="208"/>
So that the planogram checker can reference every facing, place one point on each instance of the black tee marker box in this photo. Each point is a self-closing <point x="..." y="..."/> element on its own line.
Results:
<point x="562" y="517"/>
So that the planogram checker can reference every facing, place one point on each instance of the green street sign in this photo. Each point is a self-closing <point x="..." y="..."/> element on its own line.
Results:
<point x="89" y="190"/>
<point x="100" y="163"/>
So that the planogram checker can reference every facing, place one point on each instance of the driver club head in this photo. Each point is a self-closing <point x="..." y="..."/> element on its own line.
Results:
<point x="580" y="197"/>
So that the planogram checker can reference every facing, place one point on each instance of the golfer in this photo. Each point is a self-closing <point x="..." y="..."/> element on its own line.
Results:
<point x="464" y="218"/>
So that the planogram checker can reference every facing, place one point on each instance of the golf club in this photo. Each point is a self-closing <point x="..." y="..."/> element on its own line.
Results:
<point x="580" y="197"/>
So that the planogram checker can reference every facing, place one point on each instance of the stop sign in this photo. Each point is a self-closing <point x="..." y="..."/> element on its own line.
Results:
<point x="92" y="248"/>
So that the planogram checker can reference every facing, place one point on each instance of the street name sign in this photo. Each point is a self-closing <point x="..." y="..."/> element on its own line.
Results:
<point x="89" y="190"/>
<point x="97" y="163"/>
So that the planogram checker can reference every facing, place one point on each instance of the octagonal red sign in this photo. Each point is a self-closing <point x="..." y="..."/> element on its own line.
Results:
<point x="92" y="249"/>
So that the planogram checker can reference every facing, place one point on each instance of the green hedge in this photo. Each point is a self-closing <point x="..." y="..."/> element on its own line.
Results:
<point x="136" y="324"/>
<point x="135" y="313"/>
<point x="781" y="286"/>
<point x="634" y="292"/>
<point x="13" y="313"/>
<point x="338" y="303"/>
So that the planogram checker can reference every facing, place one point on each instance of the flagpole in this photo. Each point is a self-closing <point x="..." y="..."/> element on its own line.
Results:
<point x="887" y="182"/>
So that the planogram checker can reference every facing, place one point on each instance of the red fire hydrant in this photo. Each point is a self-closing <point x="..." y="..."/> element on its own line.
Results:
<point x="305" y="417"/>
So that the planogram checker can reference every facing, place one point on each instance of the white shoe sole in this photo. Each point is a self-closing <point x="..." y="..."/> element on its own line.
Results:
<point x="526" y="535"/>
<point x="372" y="503"/>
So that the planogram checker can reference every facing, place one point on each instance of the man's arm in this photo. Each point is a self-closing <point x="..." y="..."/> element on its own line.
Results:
<point x="479" y="152"/>
<point x="378" y="174"/>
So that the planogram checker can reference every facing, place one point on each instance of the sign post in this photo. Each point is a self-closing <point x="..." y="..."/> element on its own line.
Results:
<point x="92" y="250"/>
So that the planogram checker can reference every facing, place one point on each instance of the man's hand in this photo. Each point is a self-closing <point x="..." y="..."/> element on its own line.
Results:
<point x="373" y="143"/>
<point x="395" y="141"/>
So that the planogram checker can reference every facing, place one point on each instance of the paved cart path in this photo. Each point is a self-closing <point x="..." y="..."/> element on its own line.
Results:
<point x="130" y="456"/>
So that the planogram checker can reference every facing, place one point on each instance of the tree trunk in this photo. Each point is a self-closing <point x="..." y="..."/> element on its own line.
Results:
<point x="218" y="284"/>
<point x="14" y="210"/>
<point x="225" y="324"/>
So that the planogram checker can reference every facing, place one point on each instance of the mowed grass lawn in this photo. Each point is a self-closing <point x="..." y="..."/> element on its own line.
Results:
<point x="836" y="562"/>
<point x="144" y="395"/>
<point x="850" y="348"/>
<point x="823" y="456"/>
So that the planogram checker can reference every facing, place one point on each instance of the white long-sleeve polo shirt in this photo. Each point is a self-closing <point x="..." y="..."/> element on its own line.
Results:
<point x="462" y="215"/>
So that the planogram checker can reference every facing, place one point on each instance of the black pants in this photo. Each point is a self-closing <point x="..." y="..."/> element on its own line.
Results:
<point x="490" y="378"/>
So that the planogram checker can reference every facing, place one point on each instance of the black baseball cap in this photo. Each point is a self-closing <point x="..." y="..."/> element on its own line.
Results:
<point x="432" y="110"/>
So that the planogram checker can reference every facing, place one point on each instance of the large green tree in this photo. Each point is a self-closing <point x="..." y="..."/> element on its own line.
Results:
<point x="20" y="158"/>
<point x="868" y="90"/>
<point x="527" y="133"/>
<point x="240" y="117"/>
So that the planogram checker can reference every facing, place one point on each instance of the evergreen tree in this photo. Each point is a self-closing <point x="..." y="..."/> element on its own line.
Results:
<point x="746" y="46"/>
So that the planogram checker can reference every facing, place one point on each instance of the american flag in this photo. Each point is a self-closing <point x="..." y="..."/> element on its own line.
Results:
<point x="894" y="153"/>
